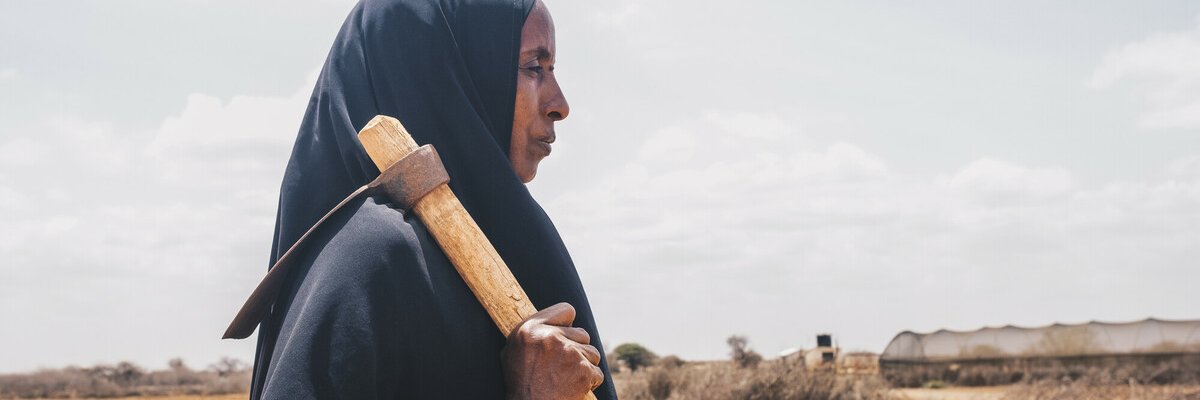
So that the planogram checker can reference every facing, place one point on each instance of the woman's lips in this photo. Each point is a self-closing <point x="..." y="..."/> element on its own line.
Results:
<point x="543" y="146"/>
<point x="543" y="143"/>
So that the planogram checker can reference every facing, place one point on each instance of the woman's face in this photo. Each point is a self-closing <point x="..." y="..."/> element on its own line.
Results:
<point x="540" y="102"/>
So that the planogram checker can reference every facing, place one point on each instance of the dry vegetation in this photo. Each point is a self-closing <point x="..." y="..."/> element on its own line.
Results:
<point x="1099" y="371"/>
<point x="1082" y="391"/>
<point x="1144" y="378"/>
<point x="769" y="380"/>
<point x="127" y="380"/>
<point x="774" y="380"/>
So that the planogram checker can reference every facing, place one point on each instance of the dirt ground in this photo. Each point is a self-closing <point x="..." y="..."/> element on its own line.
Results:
<point x="242" y="396"/>
<point x="965" y="393"/>
<point x="972" y="393"/>
<point x="1065" y="392"/>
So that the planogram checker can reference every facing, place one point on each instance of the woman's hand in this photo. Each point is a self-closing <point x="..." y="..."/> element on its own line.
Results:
<point x="546" y="358"/>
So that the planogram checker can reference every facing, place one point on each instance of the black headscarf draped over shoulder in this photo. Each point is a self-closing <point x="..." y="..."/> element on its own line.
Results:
<point x="373" y="308"/>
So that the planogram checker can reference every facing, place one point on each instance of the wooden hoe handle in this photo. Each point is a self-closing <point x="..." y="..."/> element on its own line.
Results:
<point x="386" y="141"/>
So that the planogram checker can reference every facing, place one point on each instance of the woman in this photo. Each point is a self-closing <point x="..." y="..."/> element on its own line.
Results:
<point x="372" y="308"/>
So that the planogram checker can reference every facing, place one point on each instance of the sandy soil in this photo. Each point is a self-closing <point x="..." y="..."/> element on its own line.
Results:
<point x="243" y="396"/>
<point x="972" y="393"/>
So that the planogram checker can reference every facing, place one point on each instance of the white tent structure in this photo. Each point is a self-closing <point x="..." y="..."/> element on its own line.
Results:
<point x="1150" y="336"/>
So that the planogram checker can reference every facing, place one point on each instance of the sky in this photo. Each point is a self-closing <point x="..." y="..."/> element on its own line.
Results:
<point x="776" y="170"/>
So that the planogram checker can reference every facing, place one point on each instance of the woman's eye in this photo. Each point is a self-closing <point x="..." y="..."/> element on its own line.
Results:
<point x="537" y="69"/>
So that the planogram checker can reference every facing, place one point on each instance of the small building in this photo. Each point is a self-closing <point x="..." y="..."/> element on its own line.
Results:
<point x="827" y="356"/>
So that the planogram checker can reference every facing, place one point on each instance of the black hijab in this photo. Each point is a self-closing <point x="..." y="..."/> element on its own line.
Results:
<point x="447" y="70"/>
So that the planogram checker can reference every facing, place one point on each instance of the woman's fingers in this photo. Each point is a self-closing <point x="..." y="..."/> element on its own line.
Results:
<point x="577" y="335"/>
<point x="561" y="314"/>
<point x="597" y="377"/>
<point x="582" y="341"/>
<point x="590" y="352"/>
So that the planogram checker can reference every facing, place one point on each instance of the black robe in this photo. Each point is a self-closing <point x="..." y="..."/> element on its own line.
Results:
<point x="373" y="308"/>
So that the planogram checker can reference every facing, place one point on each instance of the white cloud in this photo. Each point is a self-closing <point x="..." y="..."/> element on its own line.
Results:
<point x="1187" y="168"/>
<point x="780" y="239"/>
<point x="21" y="152"/>
<point x="212" y="142"/>
<point x="619" y="15"/>
<point x="171" y="227"/>
<point x="769" y="223"/>
<point x="671" y="145"/>
<point x="1183" y="116"/>
<point x="989" y="176"/>
<point x="1165" y="70"/>
<point x="68" y="142"/>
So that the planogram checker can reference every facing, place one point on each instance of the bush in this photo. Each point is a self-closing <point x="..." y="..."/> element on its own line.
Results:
<point x="125" y="379"/>
<point x="659" y="384"/>
<point x="1087" y="391"/>
<point x="634" y="356"/>
<point x="1155" y="369"/>
<point x="741" y="354"/>
<point x="671" y="362"/>
<point x="772" y="380"/>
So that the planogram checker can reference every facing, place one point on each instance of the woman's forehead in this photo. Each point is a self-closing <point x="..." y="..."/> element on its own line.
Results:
<point x="537" y="36"/>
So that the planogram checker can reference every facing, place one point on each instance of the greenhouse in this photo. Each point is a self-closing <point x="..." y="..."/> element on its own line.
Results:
<point x="1151" y="350"/>
<point x="1092" y="338"/>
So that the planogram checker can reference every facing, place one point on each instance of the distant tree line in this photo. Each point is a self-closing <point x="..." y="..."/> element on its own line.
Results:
<point x="635" y="356"/>
<point x="640" y="374"/>
<point x="126" y="379"/>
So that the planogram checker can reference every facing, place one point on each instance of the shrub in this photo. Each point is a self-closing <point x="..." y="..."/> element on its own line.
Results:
<point x="741" y="354"/>
<point x="659" y="384"/>
<point x="125" y="379"/>
<point x="772" y="380"/>
<point x="634" y="356"/>
<point x="671" y="362"/>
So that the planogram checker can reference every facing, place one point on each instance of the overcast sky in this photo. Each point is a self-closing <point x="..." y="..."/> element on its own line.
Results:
<point x="777" y="169"/>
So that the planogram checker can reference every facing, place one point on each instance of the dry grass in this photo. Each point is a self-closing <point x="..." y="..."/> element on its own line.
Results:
<point x="773" y="380"/>
<point x="1081" y="391"/>
<point x="1103" y="371"/>
<point x="241" y="396"/>
<point x="770" y="380"/>
<point x="126" y="380"/>
<point x="1123" y="378"/>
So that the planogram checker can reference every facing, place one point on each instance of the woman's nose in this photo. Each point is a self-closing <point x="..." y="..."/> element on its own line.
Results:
<point x="556" y="105"/>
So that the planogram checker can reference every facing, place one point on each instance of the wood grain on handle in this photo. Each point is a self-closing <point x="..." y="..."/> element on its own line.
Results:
<point x="459" y="237"/>
<point x="386" y="141"/>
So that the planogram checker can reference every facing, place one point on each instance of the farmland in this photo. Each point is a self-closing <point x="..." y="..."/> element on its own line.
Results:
<point x="662" y="378"/>
<point x="776" y="380"/>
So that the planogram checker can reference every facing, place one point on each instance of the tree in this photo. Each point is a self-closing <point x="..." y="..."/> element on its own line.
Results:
<point x="177" y="365"/>
<point x="634" y="355"/>
<point x="126" y="373"/>
<point x="671" y="362"/>
<point x="227" y="366"/>
<point x="740" y="352"/>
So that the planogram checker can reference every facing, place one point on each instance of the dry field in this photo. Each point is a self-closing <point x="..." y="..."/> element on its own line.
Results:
<point x="974" y="393"/>
<point x="980" y="393"/>
<point x="220" y="396"/>
<point x="1052" y="392"/>
<point x="768" y="380"/>
<point x="242" y="396"/>
<point x="1079" y="391"/>
<point x="779" y="381"/>
<point x="725" y="380"/>
<point x="126" y="380"/>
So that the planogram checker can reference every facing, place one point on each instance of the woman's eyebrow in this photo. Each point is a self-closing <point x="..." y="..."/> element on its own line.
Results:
<point x="541" y="52"/>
